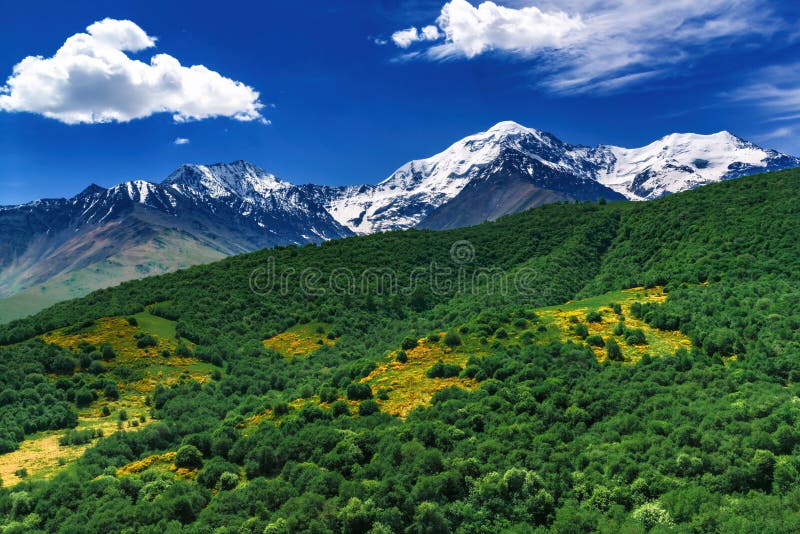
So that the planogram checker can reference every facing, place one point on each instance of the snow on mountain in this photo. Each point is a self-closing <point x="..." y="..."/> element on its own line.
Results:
<point x="679" y="162"/>
<point x="420" y="186"/>
<point x="239" y="179"/>
<point x="674" y="163"/>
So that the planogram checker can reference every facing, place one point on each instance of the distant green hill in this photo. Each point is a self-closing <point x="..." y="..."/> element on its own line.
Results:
<point x="424" y="381"/>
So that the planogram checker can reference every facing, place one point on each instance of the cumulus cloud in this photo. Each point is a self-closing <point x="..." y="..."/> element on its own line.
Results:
<point x="180" y="141"/>
<point x="91" y="79"/>
<point x="584" y="45"/>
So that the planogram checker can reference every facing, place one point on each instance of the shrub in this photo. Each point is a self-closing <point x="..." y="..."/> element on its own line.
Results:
<point x="228" y="481"/>
<point x="595" y="341"/>
<point x="340" y="408"/>
<point x="409" y="343"/>
<point x="111" y="392"/>
<point x="635" y="336"/>
<point x="613" y="351"/>
<point x="443" y="370"/>
<point x="501" y="333"/>
<point x="132" y="321"/>
<point x="619" y="328"/>
<point x="107" y="352"/>
<point x="146" y="341"/>
<point x="368" y="407"/>
<point x="433" y="338"/>
<point x="189" y="456"/>
<point x="580" y="330"/>
<point x="402" y="357"/>
<point x="96" y="368"/>
<point x="594" y="317"/>
<point x="328" y="394"/>
<point x="84" y="397"/>
<point x="452" y="340"/>
<point x="280" y="408"/>
<point x="356" y="391"/>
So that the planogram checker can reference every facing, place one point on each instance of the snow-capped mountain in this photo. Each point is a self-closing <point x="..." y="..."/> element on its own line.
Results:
<point x="531" y="162"/>
<point x="679" y="162"/>
<point x="202" y="212"/>
<point x="60" y="248"/>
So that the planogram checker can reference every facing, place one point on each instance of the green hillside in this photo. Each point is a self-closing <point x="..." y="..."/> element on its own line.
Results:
<point x="620" y="367"/>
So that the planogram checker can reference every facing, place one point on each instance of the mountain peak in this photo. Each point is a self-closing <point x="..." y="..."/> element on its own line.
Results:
<point x="239" y="178"/>
<point x="509" y="126"/>
<point x="91" y="190"/>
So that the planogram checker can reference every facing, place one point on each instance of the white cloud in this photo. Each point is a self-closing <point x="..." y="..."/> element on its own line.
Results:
<point x="577" y="46"/>
<point x="90" y="79"/>
<point x="778" y="133"/>
<point x="405" y="38"/>
<point x="180" y="141"/>
<point x="409" y="36"/>
<point x="776" y="88"/>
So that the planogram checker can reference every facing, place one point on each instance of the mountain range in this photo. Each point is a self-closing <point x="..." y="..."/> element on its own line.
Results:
<point x="56" y="249"/>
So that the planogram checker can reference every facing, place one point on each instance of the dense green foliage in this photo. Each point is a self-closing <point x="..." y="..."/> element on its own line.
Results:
<point x="695" y="441"/>
<point x="29" y="401"/>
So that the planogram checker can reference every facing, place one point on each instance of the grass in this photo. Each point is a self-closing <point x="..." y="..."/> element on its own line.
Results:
<point x="300" y="340"/>
<point x="42" y="456"/>
<point x="153" y="324"/>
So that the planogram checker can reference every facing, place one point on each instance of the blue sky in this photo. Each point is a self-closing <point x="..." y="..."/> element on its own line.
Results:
<point x="345" y="92"/>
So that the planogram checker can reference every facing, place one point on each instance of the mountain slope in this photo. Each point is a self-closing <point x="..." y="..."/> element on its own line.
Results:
<point x="519" y="417"/>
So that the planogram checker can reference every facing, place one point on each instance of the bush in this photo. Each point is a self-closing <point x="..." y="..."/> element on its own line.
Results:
<point x="501" y="333"/>
<point x="368" y="407"/>
<point x="402" y="357"/>
<point x="146" y="341"/>
<point x="409" y="343"/>
<point x="452" y="340"/>
<point x="613" y="351"/>
<point x="594" y="317"/>
<point x="581" y="331"/>
<point x="340" y="408"/>
<point x="111" y="392"/>
<point x="443" y="370"/>
<point x="96" y="368"/>
<point x="595" y="341"/>
<point x="228" y="481"/>
<point x="107" y="352"/>
<point x="619" y="328"/>
<point x="84" y="397"/>
<point x="635" y="336"/>
<point x="132" y="321"/>
<point x="433" y="338"/>
<point x="328" y="394"/>
<point x="357" y="391"/>
<point x="189" y="457"/>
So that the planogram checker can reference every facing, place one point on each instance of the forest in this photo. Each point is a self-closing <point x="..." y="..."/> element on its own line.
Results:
<point x="290" y="408"/>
